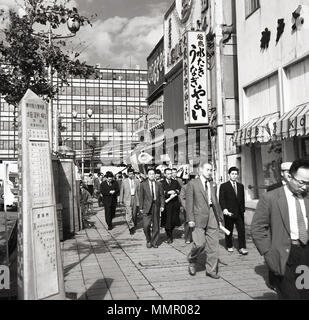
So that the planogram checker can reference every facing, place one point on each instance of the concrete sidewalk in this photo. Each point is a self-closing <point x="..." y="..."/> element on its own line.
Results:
<point x="113" y="265"/>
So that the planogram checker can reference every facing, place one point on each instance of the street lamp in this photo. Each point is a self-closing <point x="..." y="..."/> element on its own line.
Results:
<point x="83" y="118"/>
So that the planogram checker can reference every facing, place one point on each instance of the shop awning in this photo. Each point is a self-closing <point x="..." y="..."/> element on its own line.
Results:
<point x="292" y="123"/>
<point x="256" y="130"/>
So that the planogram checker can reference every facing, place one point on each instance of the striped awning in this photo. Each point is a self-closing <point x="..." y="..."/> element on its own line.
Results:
<point x="292" y="123"/>
<point x="256" y="130"/>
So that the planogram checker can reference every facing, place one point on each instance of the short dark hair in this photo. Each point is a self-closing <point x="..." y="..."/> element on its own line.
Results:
<point x="297" y="164"/>
<point x="109" y="174"/>
<point x="174" y="169"/>
<point x="151" y="169"/>
<point x="157" y="171"/>
<point x="130" y="170"/>
<point x="233" y="169"/>
<point x="167" y="169"/>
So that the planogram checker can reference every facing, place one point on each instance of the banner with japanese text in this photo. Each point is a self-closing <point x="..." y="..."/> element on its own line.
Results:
<point x="195" y="79"/>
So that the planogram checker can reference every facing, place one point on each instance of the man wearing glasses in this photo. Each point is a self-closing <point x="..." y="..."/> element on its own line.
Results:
<point x="280" y="231"/>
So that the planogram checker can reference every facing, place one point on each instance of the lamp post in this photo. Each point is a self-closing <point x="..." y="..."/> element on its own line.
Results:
<point x="83" y="118"/>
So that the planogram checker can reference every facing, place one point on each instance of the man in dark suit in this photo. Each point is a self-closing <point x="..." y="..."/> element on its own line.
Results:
<point x="151" y="204"/>
<point x="205" y="216"/>
<point x="280" y="232"/>
<point x="109" y="191"/>
<point x="232" y="202"/>
<point x="170" y="216"/>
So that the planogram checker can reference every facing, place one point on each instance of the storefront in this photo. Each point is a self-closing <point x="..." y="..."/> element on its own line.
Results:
<point x="265" y="142"/>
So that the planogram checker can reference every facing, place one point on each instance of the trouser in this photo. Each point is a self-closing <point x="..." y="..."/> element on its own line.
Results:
<point x="239" y="222"/>
<point x="169" y="232"/>
<point x="188" y="232"/>
<point x="90" y="189"/>
<point x="108" y="215"/>
<point x="153" y="217"/>
<point x="131" y="213"/>
<point x="294" y="285"/>
<point x="206" y="239"/>
<point x="113" y="210"/>
<point x="187" y="229"/>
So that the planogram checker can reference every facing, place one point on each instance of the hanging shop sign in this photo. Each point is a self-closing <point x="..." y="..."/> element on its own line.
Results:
<point x="194" y="79"/>
<point x="182" y="15"/>
<point x="155" y="64"/>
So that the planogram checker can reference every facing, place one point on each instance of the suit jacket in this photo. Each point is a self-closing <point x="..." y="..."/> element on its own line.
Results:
<point x="228" y="199"/>
<point x="274" y="186"/>
<point x="145" y="196"/>
<point x="270" y="229"/>
<point x="125" y="192"/>
<point x="108" y="198"/>
<point x="197" y="206"/>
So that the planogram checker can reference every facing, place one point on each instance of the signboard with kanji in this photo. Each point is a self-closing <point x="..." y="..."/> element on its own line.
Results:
<point x="40" y="274"/>
<point x="195" y="79"/>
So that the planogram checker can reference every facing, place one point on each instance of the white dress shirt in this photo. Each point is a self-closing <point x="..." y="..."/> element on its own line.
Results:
<point x="292" y="213"/>
<point x="208" y="188"/>
<point x="132" y="186"/>
<point x="152" y="184"/>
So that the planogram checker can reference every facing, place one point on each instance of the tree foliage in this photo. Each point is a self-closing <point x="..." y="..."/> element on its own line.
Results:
<point x="26" y="53"/>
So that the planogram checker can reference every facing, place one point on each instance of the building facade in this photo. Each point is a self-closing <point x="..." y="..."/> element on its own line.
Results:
<point x="201" y="95"/>
<point x="116" y="97"/>
<point x="273" y="52"/>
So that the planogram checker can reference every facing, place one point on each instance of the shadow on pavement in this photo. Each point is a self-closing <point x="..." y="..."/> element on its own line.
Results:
<point x="98" y="290"/>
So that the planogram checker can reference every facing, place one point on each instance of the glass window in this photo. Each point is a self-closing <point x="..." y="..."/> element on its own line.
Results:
<point x="76" y="126"/>
<point x="251" y="6"/>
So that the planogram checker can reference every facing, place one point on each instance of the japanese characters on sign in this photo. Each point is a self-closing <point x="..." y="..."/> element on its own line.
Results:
<point x="194" y="79"/>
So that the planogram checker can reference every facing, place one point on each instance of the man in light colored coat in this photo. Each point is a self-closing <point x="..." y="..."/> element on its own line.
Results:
<point x="129" y="196"/>
<point x="204" y="215"/>
<point x="280" y="231"/>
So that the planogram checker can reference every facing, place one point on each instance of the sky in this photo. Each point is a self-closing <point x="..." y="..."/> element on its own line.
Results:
<point x="123" y="33"/>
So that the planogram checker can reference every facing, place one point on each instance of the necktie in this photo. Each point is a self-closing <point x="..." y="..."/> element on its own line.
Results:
<point x="303" y="234"/>
<point x="235" y="187"/>
<point x="206" y="189"/>
<point x="152" y="192"/>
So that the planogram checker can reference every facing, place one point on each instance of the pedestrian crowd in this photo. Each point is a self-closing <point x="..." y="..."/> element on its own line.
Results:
<point x="162" y="199"/>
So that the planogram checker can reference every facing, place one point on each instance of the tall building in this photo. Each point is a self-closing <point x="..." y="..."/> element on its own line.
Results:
<point x="273" y="52"/>
<point x="117" y="98"/>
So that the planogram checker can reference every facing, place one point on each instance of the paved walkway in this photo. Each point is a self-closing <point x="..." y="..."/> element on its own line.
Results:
<point x="113" y="265"/>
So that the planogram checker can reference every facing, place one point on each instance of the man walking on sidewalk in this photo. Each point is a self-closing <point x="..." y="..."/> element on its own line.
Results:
<point x="151" y="204"/>
<point x="110" y="191"/>
<point x="232" y="202"/>
<point x="280" y="231"/>
<point x="129" y="196"/>
<point x="204" y="215"/>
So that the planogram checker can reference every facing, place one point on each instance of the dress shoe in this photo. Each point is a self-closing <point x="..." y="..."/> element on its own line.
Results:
<point x="110" y="227"/>
<point x="155" y="246"/>
<point x="188" y="242"/>
<point x="192" y="270"/>
<point x="231" y="250"/>
<point x="213" y="275"/>
<point x="148" y="245"/>
<point x="243" y="251"/>
<point x="132" y="231"/>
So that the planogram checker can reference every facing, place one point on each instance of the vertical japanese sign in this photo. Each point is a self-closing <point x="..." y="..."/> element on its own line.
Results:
<point x="195" y="78"/>
<point x="39" y="268"/>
